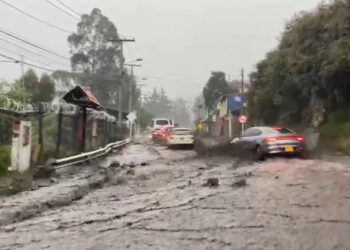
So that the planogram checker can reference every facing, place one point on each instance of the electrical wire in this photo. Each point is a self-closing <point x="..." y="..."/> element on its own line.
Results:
<point x="71" y="9"/>
<point x="62" y="10"/>
<point x="46" y="57"/>
<point x="30" y="43"/>
<point x="29" y="64"/>
<point x="30" y="59"/>
<point x="36" y="18"/>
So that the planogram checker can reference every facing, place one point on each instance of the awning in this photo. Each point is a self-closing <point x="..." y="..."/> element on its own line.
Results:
<point x="82" y="96"/>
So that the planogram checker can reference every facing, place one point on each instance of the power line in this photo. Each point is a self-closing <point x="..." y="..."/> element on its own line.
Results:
<point x="30" y="59"/>
<point x="35" y="18"/>
<point x="30" y="43"/>
<point x="29" y="64"/>
<point x="62" y="10"/>
<point x="31" y="51"/>
<point x="71" y="9"/>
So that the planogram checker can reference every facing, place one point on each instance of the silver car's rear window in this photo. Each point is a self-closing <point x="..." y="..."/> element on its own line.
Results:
<point x="280" y="131"/>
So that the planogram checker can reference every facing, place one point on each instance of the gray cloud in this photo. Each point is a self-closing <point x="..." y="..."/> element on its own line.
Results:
<point x="181" y="41"/>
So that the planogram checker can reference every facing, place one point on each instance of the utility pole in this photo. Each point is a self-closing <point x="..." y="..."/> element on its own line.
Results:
<point x="242" y="84"/>
<point x="242" y="96"/>
<point x="131" y="87"/>
<point x="120" y="94"/>
<point x="140" y="88"/>
<point x="22" y="80"/>
<point x="200" y="106"/>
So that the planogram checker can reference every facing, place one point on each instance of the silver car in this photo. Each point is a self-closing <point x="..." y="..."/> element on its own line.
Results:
<point x="264" y="141"/>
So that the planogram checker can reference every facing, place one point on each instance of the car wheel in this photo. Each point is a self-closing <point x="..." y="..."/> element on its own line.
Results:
<point x="258" y="154"/>
<point x="302" y="155"/>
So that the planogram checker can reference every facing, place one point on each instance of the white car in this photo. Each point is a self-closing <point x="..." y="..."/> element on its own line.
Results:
<point x="161" y="123"/>
<point x="180" y="136"/>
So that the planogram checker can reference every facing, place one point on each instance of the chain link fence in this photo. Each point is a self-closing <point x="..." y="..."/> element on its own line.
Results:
<point x="58" y="130"/>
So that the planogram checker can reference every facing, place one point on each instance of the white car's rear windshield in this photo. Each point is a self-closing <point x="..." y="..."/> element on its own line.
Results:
<point x="162" y="122"/>
<point x="182" y="132"/>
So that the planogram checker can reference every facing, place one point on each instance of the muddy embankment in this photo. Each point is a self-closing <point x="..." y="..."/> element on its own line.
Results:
<point x="64" y="186"/>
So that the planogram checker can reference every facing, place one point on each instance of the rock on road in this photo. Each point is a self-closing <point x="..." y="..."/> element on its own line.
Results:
<point x="277" y="204"/>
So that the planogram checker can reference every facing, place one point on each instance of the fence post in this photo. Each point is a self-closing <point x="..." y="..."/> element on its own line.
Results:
<point x="83" y="130"/>
<point x="59" y="133"/>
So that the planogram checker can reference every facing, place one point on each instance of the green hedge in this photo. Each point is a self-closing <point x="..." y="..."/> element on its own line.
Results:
<point x="5" y="159"/>
<point x="337" y="129"/>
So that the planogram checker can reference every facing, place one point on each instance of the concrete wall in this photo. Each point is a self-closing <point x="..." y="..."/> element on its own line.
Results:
<point x="22" y="148"/>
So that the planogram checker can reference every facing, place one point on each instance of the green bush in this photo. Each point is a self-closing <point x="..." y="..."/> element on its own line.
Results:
<point x="337" y="130"/>
<point x="5" y="159"/>
<point x="344" y="144"/>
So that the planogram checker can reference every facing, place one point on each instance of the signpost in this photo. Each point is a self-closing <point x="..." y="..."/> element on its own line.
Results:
<point x="131" y="118"/>
<point x="242" y="120"/>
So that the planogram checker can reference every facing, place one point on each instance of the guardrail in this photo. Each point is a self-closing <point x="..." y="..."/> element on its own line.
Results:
<point x="63" y="162"/>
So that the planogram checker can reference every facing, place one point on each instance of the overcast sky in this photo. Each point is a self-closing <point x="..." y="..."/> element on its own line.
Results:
<point x="181" y="41"/>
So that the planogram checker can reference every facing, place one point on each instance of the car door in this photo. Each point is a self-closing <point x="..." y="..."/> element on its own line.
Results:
<point x="251" y="137"/>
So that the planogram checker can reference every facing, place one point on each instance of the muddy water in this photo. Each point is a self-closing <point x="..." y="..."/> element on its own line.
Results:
<point x="286" y="204"/>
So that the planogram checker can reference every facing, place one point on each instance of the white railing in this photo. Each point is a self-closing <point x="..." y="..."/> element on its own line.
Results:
<point x="63" y="162"/>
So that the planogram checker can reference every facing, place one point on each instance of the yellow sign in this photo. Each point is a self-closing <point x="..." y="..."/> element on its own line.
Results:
<point x="200" y="126"/>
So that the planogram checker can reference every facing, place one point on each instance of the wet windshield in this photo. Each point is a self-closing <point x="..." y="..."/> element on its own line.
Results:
<point x="281" y="131"/>
<point x="162" y="122"/>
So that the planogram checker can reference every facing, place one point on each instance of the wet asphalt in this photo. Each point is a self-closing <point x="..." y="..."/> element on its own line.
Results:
<point x="166" y="204"/>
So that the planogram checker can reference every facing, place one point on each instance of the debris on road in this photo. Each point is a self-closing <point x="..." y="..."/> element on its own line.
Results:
<point x="114" y="164"/>
<point x="130" y="172"/>
<point x="170" y="204"/>
<point x="212" y="182"/>
<point x="240" y="183"/>
<point x="132" y="165"/>
<point x="245" y="174"/>
<point x="118" y="180"/>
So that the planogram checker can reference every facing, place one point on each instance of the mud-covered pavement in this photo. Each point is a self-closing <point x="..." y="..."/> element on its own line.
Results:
<point x="286" y="204"/>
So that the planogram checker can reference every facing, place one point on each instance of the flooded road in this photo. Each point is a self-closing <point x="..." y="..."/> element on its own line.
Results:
<point x="165" y="204"/>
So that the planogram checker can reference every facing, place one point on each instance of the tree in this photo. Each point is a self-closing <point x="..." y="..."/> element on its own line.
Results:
<point x="159" y="104"/>
<point x="45" y="90"/>
<point x="35" y="90"/>
<point x="214" y="89"/>
<point x="97" y="58"/>
<point x="65" y="81"/>
<point x="181" y="112"/>
<point x="91" y="49"/>
<point x="30" y="81"/>
<point x="165" y="103"/>
<point x="198" y="107"/>
<point x="306" y="77"/>
<point x="144" y="118"/>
